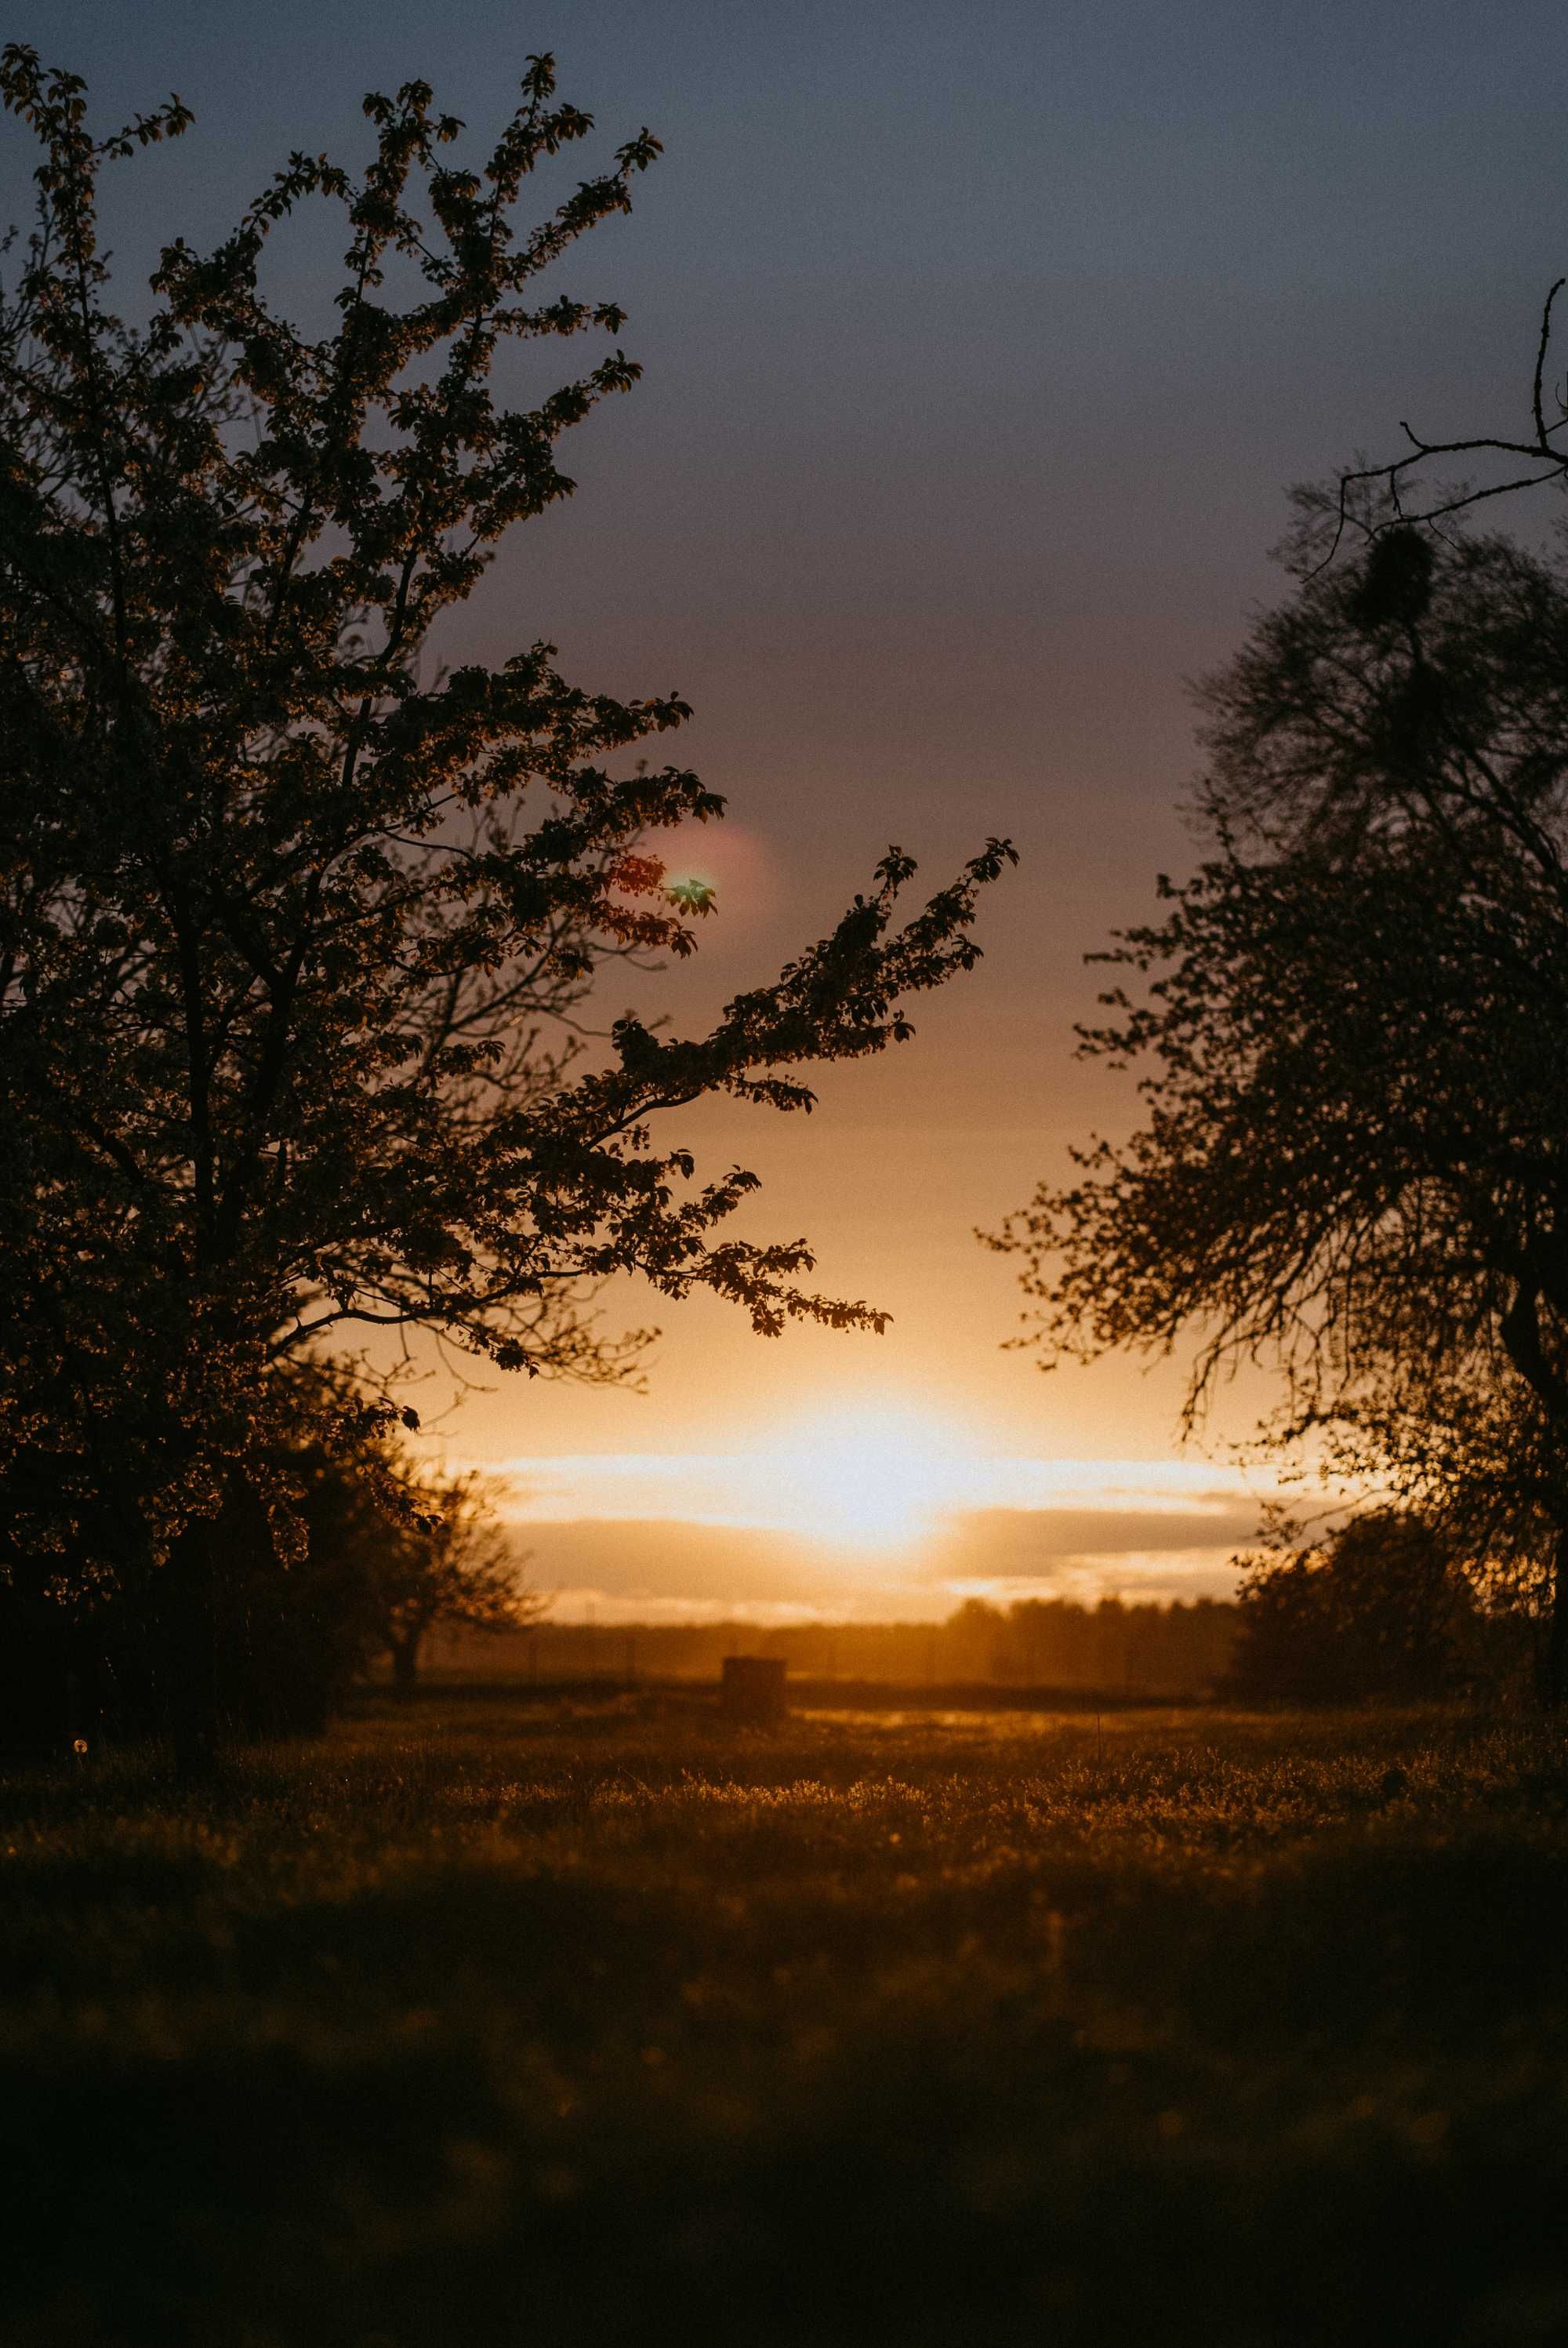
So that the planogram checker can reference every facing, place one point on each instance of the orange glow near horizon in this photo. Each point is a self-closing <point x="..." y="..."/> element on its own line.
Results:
<point x="865" y="1479"/>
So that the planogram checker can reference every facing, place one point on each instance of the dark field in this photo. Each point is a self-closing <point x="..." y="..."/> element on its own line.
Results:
<point x="601" y="2023"/>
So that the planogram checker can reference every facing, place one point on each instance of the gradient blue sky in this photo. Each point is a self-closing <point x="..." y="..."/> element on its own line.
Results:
<point x="980" y="342"/>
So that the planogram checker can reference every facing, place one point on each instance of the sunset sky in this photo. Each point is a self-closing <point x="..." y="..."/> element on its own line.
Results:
<point x="980" y="344"/>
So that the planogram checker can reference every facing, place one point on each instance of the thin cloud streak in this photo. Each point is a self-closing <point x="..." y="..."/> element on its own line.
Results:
<point x="762" y="1491"/>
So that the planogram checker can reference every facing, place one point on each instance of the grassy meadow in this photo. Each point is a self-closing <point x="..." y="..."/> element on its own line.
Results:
<point x="599" y="2022"/>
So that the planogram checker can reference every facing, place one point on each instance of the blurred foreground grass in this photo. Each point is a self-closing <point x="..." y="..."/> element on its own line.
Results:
<point x="604" y="2024"/>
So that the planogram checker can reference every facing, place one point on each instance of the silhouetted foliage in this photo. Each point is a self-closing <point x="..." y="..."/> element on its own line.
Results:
<point x="1396" y="586"/>
<point x="295" y="925"/>
<point x="388" y="1548"/>
<point x="1355" y="1039"/>
<point x="451" y="1562"/>
<point x="1380" y="1609"/>
<point x="364" y="1549"/>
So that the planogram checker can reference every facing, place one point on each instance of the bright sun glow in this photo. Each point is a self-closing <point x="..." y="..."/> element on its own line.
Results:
<point x="867" y="1477"/>
<point x="859" y="1477"/>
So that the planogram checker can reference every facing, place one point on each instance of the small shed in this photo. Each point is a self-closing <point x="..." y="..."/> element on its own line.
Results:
<point x="753" y="1688"/>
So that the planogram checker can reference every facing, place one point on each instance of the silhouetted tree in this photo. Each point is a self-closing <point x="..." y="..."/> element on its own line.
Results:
<point x="1477" y="1459"/>
<point x="1351" y="1162"/>
<point x="975" y="1634"/>
<point x="383" y="1548"/>
<point x="1378" y="1610"/>
<point x="336" y="1545"/>
<point x="452" y="1562"/>
<point x="291" y="919"/>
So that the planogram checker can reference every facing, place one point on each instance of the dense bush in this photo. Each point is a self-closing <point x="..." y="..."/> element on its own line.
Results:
<point x="1377" y="1610"/>
<point x="373" y="1551"/>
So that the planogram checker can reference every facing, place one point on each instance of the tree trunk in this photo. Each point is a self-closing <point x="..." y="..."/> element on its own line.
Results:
<point x="1554" y="1675"/>
<point x="190" y="1649"/>
<point x="405" y="1666"/>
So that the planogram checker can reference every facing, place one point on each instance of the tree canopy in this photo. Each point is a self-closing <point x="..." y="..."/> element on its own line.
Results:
<point x="296" y="923"/>
<point x="1354" y="1038"/>
<point x="1376" y="1610"/>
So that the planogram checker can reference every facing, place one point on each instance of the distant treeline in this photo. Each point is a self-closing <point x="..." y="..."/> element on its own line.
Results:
<point x="1177" y="1650"/>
